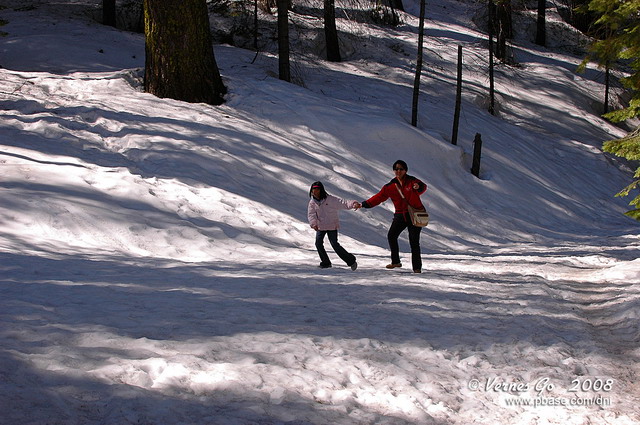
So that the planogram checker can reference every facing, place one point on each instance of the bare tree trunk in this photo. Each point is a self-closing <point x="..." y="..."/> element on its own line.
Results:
<point x="284" y="69"/>
<point x="255" y="25"/>
<point x="492" y="108"/>
<point x="503" y="27"/>
<point x="607" y="85"/>
<point x="541" y="31"/>
<point x="331" y="32"/>
<point x="109" y="12"/>
<point x="456" y="114"/>
<point x="416" y="83"/>
<point x="180" y="63"/>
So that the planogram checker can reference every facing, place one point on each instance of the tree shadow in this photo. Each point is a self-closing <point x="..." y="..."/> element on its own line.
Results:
<point x="187" y="301"/>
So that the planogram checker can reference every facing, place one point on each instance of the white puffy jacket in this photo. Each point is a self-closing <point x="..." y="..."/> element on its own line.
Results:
<point x="324" y="213"/>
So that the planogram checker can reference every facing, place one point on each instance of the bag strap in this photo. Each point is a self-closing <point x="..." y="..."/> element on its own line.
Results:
<point x="405" y="199"/>
<point x="401" y="194"/>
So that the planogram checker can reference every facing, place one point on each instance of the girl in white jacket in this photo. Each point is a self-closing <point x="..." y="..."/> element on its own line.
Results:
<point x="323" y="218"/>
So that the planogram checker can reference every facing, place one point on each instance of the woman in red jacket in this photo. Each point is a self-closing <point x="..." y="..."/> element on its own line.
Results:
<point x="412" y="188"/>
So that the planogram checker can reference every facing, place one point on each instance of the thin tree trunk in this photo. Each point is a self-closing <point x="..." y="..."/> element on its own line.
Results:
<point x="331" y="32"/>
<point x="109" y="12"/>
<point x="255" y="24"/>
<point x="284" y="69"/>
<point x="416" y="83"/>
<point x="456" y="114"/>
<point x="606" y="88"/>
<point x="541" y="31"/>
<point x="503" y="27"/>
<point x="491" y="82"/>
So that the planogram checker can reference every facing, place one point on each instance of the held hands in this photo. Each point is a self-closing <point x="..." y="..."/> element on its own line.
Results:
<point x="357" y="206"/>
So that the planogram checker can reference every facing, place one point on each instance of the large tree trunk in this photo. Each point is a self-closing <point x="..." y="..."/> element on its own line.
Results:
<point x="331" y="32"/>
<point x="180" y="63"/>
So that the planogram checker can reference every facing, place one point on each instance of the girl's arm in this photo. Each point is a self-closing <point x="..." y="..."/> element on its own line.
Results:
<point x="343" y="204"/>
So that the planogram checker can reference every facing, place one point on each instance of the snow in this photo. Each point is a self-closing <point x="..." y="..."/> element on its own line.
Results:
<point x="157" y="266"/>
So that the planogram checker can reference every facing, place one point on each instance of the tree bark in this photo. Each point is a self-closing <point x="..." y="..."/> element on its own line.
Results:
<point x="503" y="27"/>
<point x="607" y="85"/>
<point x="416" y="82"/>
<point x="180" y="63"/>
<point x="492" y="108"/>
<point x="541" y="31"/>
<point x="456" y="114"/>
<point x="284" y="69"/>
<point x="109" y="12"/>
<point x="331" y="32"/>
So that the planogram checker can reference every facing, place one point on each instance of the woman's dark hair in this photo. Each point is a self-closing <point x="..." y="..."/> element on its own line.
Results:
<point x="319" y="185"/>
<point x="400" y="163"/>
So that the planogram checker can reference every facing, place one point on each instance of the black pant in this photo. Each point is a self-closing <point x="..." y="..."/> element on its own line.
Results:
<point x="333" y="239"/>
<point x="399" y="223"/>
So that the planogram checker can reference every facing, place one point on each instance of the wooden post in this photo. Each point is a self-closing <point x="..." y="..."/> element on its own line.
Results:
<point x="456" y="115"/>
<point x="477" y="148"/>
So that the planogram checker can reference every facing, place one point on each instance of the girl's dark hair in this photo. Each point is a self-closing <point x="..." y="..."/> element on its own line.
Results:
<point x="323" y="193"/>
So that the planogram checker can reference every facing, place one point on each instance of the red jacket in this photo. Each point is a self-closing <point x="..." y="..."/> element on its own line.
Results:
<point x="390" y="190"/>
